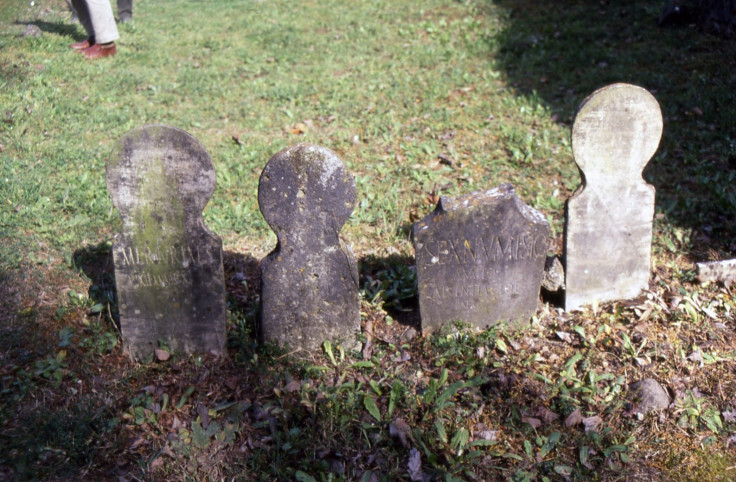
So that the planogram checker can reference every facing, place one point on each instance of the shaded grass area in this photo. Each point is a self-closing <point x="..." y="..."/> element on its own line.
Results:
<point x="390" y="86"/>
<point x="570" y="49"/>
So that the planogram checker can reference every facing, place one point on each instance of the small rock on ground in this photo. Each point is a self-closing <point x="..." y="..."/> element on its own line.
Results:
<point x="648" y="395"/>
<point x="31" y="31"/>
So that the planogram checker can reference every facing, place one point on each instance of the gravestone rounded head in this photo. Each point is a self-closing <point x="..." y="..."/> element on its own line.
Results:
<point x="616" y="131"/>
<point x="304" y="183"/>
<point x="158" y="151"/>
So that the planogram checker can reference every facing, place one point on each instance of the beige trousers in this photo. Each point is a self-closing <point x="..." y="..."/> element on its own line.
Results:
<point x="97" y="19"/>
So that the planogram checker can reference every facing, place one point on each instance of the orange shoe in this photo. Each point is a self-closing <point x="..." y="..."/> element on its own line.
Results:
<point x="84" y="44"/>
<point x="98" y="51"/>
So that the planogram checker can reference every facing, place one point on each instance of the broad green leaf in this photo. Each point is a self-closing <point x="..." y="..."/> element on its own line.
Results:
<point x="370" y="405"/>
<point x="213" y="428"/>
<point x="482" y="443"/>
<point x="528" y="447"/>
<point x="440" y="428"/>
<point x="397" y="390"/>
<point x="460" y="440"/>
<point x="375" y="387"/>
<point x="583" y="454"/>
<point x="362" y="364"/>
<point x="446" y="394"/>
<point x="514" y="456"/>
<point x="573" y="360"/>
<point x="501" y="346"/>
<point x="564" y="470"/>
<point x="443" y="377"/>
<point x="199" y="436"/>
<point x="303" y="477"/>
<point x="328" y="349"/>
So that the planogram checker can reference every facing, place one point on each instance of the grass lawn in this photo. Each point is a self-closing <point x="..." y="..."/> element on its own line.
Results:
<point x="491" y="86"/>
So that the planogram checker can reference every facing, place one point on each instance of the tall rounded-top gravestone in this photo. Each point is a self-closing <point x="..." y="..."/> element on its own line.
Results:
<point x="168" y="265"/>
<point x="309" y="282"/>
<point x="608" y="232"/>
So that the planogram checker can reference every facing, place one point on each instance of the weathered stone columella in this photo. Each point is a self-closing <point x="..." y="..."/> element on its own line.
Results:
<point x="608" y="233"/>
<point x="168" y="266"/>
<point x="309" y="282"/>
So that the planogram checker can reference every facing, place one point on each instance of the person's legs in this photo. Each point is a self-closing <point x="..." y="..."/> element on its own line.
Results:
<point x="103" y="21"/>
<point x="125" y="10"/>
<point x="80" y="6"/>
<point x="105" y="30"/>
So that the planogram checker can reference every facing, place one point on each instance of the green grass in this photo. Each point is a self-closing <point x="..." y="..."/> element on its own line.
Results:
<point x="389" y="86"/>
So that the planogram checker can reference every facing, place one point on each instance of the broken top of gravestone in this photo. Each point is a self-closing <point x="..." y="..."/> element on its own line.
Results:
<point x="309" y="283"/>
<point x="608" y="233"/>
<point x="480" y="260"/>
<point x="724" y="271"/>
<point x="168" y="266"/>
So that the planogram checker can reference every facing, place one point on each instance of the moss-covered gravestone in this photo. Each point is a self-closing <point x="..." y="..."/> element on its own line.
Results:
<point x="608" y="232"/>
<point x="480" y="260"/>
<point x="309" y="283"/>
<point x="168" y="266"/>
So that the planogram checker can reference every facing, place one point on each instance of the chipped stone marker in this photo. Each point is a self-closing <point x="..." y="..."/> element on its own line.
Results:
<point x="168" y="266"/>
<point x="608" y="234"/>
<point x="480" y="260"/>
<point x="309" y="282"/>
<point x="716" y="271"/>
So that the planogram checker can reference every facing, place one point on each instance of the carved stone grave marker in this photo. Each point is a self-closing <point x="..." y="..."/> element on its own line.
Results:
<point x="480" y="260"/>
<point x="309" y="282"/>
<point x="168" y="266"/>
<point x="608" y="233"/>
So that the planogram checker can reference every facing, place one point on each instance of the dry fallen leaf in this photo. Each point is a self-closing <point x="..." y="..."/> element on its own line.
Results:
<point x="137" y="443"/>
<point x="299" y="128"/>
<point x="574" y="418"/>
<point x="591" y="423"/>
<point x="162" y="355"/>
<point x="534" y="422"/>
<point x="292" y="386"/>
<point x="203" y="415"/>
<point x="696" y="356"/>
<point x="447" y="160"/>
<point x="399" y="430"/>
<point x="729" y="416"/>
<point x="547" y="415"/>
<point x="415" y="465"/>
<point x="489" y="435"/>
<point x="564" y="336"/>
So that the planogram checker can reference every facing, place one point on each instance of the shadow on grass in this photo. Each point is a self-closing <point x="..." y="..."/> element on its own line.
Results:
<point x="242" y="287"/>
<point x="392" y="282"/>
<point x="58" y="443"/>
<point x="560" y="52"/>
<point x="62" y="29"/>
<point x="95" y="261"/>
